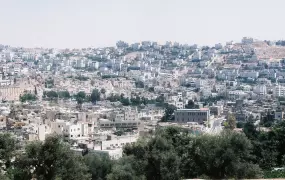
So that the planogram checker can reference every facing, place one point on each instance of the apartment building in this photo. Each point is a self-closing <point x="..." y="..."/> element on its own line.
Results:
<point x="105" y="123"/>
<point x="279" y="115"/>
<point x="279" y="91"/>
<point x="11" y="93"/>
<point x="260" y="90"/>
<point x="192" y="115"/>
<point x="68" y="129"/>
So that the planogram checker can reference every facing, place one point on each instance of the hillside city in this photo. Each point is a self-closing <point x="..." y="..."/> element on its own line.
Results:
<point x="103" y="99"/>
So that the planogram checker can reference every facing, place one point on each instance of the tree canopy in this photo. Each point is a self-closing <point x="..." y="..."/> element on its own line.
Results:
<point x="52" y="159"/>
<point x="95" y="96"/>
<point x="171" y="153"/>
<point x="28" y="97"/>
<point x="80" y="97"/>
<point x="174" y="154"/>
<point x="168" y="113"/>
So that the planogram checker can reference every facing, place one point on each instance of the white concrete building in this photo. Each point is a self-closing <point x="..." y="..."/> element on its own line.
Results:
<point x="249" y="74"/>
<point x="279" y="115"/>
<point x="275" y="64"/>
<point x="238" y="94"/>
<point x="73" y="131"/>
<point x="247" y="40"/>
<point x="260" y="90"/>
<point x="279" y="91"/>
<point x="42" y="132"/>
<point x="179" y="104"/>
<point x="199" y="83"/>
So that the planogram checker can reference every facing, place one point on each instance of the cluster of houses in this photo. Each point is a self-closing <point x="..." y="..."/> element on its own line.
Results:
<point x="136" y="84"/>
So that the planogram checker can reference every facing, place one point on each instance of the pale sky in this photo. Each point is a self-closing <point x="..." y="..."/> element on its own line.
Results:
<point x="98" y="23"/>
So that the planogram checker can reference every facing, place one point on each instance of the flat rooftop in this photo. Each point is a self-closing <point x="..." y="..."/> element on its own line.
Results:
<point x="201" y="109"/>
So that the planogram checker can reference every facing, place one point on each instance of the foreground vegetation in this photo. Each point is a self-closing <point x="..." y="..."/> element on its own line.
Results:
<point x="169" y="154"/>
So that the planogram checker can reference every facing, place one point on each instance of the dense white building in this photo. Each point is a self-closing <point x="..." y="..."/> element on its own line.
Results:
<point x="260" y="90"/>
<point x="249" y="74"/>
<point x="279" y="91"/>
<point x="73" y="131"/>
<point x="192" y="115"/>
<point x="247" y="40"/>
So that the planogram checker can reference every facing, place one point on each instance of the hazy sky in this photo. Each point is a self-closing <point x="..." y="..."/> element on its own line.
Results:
<point x="85" y="23"/>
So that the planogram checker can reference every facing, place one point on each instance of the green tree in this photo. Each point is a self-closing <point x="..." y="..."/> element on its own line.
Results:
<point x="267" y="120"/>
<point x="265" y="147"/>
<point x="125" y="101"/>
<point x="81" y="78"/>
<point x="92" y="82"/>
<point x="151" y="89"/>
<point x="139" y="84"/>
<point x="250" y="130"/>
<point x="155" y="158"/>
<point x="160" y="100"/>
<point x="174" y="153"/>
<point x="95" y="96"/>
<point x="35" y="91"/>
<point x="51" y="95"/>
<point x="103" y="91"/>
<point x="190" y="105"/>
<point x="99" y="166"/>
<point x="277" y="135"/>
<point x="270" y="174"/>
<point x="168" y="113"/>
<point x="64" y="94"/>
<point x="224" y="156"/>
<point x="52" y="159"/>
<point x="231" y="121"/>
<point x="4" y="177"/>
<point x="125" y="169"/>
<point x="49" y="83"/>
<point x="265" y="150"/>
<point x="114" y="98"/>
<point x="81" y="94"/>
<point x="80" y="97"/>
<point x="240" y="124"/>
<point x="8" y="147"/>
<point x="28" y="97"/>
<point x="136" y="101"/>
<point x="162" y="161"/>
